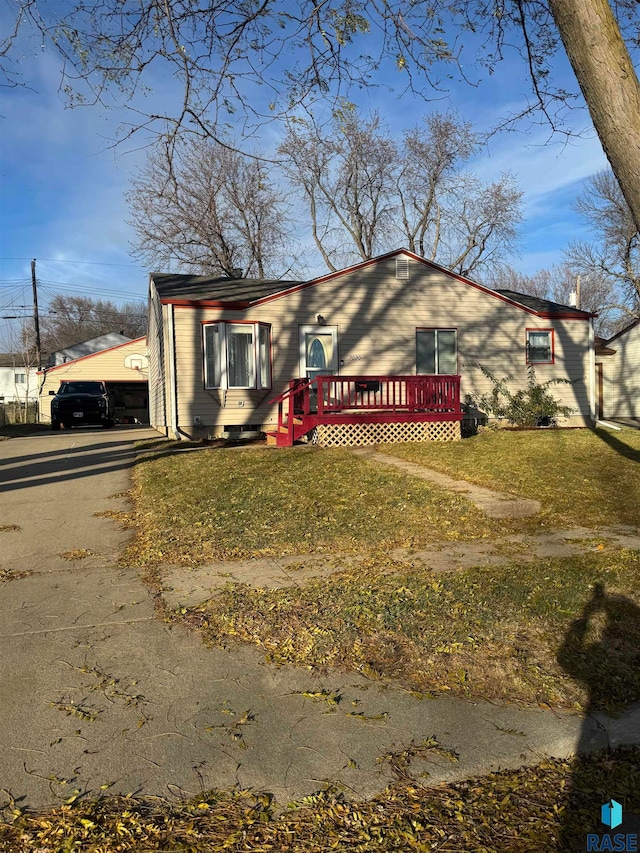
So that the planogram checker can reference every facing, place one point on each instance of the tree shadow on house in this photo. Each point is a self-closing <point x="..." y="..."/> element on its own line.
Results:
<point x="601" y="651"/>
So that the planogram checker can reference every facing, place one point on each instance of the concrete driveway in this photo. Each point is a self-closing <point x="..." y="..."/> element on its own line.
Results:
<point x="97" y="694"/>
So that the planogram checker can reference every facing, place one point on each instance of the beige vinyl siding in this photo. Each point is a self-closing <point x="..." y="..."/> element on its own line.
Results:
<point x="108" y="365"/>
<point x="157" y="358"/>
<point x="621" y="376"/>
<point x="377" y="316"/>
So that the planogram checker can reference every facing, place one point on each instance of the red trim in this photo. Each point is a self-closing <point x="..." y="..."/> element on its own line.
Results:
<point x="241" y="306"/>
<point x="553" y="352"/>
<point x="436" y="329"/>
<point x="213" y="322"/>
<point x="92" y="354"/>
<point x="387" y="417"/>
<point x="206" y="303"/>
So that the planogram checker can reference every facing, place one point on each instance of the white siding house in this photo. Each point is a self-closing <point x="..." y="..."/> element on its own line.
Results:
<point x="221" y="350"/>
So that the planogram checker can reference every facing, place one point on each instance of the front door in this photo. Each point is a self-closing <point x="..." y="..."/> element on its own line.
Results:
<point x="318" y="351"/>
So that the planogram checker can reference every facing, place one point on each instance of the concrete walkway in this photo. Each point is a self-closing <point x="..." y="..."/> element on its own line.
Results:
<point x="186" y="586"/>
<point x="98" y="694"/>
<point x="492" y="503"/>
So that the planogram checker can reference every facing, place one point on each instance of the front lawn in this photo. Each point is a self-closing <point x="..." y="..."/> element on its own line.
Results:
<point x="507" y="633"/>
<point x="581" y="477"/>
<point x="216" y="504"/>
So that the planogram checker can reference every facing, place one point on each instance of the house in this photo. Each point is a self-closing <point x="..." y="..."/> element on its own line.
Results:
<point x="383" y="350"/>
<point x="123" y="366"/>
<point x="618" y="374"/>
<point x="18" y="379"/>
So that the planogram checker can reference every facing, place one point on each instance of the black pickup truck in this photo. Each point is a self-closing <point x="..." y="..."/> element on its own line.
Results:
<point x="77" y="403"/>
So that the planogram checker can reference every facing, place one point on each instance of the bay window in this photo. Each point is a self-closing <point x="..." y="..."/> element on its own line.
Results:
<point x="237" y="355"/>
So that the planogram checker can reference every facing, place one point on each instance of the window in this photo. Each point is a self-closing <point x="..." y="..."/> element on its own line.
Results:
<point x="436" y="351"/>
<point x="20" y="378"/>
<point x="237" y="355"/>
<point x="539" y="346"/>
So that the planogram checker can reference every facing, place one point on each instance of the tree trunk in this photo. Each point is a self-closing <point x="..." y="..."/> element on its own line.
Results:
<point x="608" y="80"/>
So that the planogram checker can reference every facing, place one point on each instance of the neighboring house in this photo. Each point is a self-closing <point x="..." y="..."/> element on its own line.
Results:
<point x="618" y="374"/>
<point x="103" y="342"/>
<point x="124" y="367"/>
<point x="18" y="382"/>
<point x="383" y="350"/>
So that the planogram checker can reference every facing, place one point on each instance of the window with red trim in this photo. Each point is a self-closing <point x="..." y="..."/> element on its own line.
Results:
<point x="539" y="346"/>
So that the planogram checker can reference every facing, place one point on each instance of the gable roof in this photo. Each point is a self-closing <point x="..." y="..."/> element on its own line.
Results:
<point x="240" y="294"/>
<point x="66" y="364"/>
<point x="219" y="289"/>
<point x="542" y="305"/>
<point x="93" y="345"/>
<point x="624" y="331"/>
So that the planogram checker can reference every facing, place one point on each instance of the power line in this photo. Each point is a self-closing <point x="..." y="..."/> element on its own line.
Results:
<point x="90" y="263"/>
<point x="88" y="289"/>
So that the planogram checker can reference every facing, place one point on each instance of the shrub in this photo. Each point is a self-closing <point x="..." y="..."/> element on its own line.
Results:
<point x="527" y="407"/>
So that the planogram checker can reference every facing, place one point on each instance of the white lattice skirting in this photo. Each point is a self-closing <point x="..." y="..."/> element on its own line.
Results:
<point x="358" y="435"/>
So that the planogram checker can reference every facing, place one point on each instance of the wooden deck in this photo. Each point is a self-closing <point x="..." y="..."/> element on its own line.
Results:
<point x="327" y="400"/>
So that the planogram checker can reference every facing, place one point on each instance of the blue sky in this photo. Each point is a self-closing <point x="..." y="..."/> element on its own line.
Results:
<point x="63" y="184"/>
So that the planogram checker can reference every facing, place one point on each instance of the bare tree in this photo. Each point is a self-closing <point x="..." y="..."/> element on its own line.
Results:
<point x="432" y="157"/>
<point x="346" y="174"/>
<point x="613" y="253"/>
<point x="72" y="319"/>
<point x="366" y="192"/>
<point x="264" y="58"/>
<point x="210" y="209"/>
<point x="25" y="367"/>
<point x="482" y="222"/>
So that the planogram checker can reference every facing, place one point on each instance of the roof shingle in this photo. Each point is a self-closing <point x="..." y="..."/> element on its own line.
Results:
<point x="217" y="288"/>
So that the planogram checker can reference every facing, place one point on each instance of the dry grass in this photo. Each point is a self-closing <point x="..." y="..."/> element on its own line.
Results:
<point x="217" y="504"/>
<point x="505" y="633"/>
<point x="77" y="554"/>
<point x="581" y="477"/>
<point x="547" y="808"/>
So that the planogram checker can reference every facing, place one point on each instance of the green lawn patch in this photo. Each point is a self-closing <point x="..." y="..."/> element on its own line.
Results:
<point x="581" y="477"/>
<point x="504" y="633"/>
<point x="550" y="807"/>
<point x="213" y="504"/>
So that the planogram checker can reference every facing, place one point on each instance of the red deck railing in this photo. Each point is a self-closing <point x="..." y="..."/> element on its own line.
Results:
<point x="326" y="399"/>
<point x="388" y="394"/>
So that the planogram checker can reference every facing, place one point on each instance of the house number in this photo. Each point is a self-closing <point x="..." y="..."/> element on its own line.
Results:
<point x="355" y="358"/>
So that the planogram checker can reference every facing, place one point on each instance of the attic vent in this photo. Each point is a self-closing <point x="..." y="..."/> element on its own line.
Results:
<point x="402" y="268"/>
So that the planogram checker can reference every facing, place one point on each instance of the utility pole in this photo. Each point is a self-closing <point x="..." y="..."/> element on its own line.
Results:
<point x="36" y="319"/>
